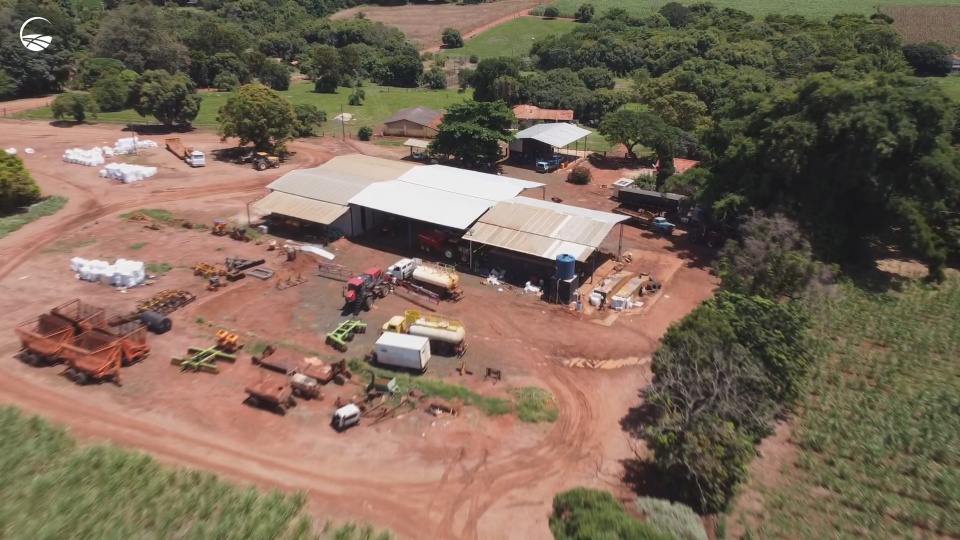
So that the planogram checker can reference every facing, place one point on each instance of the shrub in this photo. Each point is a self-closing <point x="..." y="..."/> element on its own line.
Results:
<point x="585" y="12"/>
<point x="474" y="58"/>
<point x="111" y="93"/>
<point x="589" y="514"/>
<point x="580" y="176"/>
<point x="452" y="38"/>
<point x="355" y="99"/>
<point x="551" y="12"/>
<point x="364" y="133"/>
<point x="17" y="187"/>
<point x="76" y="106"/>
<point x="226" y="82"/>
<point x="675" y="519"/>
<point x="928" y="59"/>
<point x="308" y="117"/>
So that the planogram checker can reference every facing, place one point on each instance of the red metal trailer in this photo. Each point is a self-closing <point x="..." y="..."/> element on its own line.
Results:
<point x="99" y="354"/>
<point x="42" y="338"/>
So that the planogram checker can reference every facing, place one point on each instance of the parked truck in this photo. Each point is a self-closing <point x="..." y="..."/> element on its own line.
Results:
<point x="446" y="334"/>
<point x="401" y="351"/>
<point x="439" y="278"/>
<point x="191" y="157"/>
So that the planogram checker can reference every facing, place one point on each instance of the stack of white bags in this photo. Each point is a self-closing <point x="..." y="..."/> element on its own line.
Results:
<point x="90" y="158"/>
<point x="127" y="173"/>
<point x="11" y="151"/>
<point x="125" y="146"/>
<point x="122" y="273"/>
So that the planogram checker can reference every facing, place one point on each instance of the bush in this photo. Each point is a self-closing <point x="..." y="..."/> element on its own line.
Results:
<point x="308" y="117"/>
<point x="675" y="519"/>
<point x="435" y="79"/>
<point x="226" y="82"/>
<point x="474" y="58"/>
<point x="928" y="59"/>
<point x="356" y="97"/>
<point x="589" y="514"/>
<point x="585" y="13"/>
<point x="111" y="93"/>
<point x="551" y="12"/>
<point x="580" y="176"/>
<point x="465" y="77"/>
<point x="76" y="106"/>
<point x="365" y="133"/>
<point x="452" y="38"/>
<point x="17" y="187"/>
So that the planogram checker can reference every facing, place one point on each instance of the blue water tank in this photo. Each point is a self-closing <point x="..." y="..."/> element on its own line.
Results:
<point x="566" y="266"/>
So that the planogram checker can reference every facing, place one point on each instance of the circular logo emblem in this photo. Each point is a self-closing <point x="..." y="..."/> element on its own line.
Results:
<point x="34" y="42"/>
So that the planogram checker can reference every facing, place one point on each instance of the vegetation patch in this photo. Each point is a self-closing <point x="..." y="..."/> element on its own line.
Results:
<point x="158" y="269"/>
<point x="155" y="214"/>
<point x="879" y="433"/>
<point x="535" y="405"/>
<point x="137" y="245"/>
<point x="491" y="406"/>
<point x="581" y="514"/>
<point x="807" y="8"/>
<point x="44" y="208"/>
<point x="62" y="246"/>
<point x="512" y="38"/>
<point x="54" y="488"/>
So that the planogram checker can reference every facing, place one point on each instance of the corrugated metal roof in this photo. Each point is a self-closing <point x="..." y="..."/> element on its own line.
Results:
<point x="418" y="115"/>
<point x="368" y="166"/>
<point x="417" y="143"/>
<point x="531" y="112"/>
<point x="470" y="183"/>
<point x="300" y="207"/>
<point x="557" y="135"/>
<point x="544" y="229"/>
<point x="522" y="242"/>
<point x="423" y="203"/>
<point x="322" y="184"/>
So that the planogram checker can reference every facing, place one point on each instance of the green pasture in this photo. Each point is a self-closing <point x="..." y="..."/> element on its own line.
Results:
<point x="807" y="8"/>
<point x="512" y="38"/>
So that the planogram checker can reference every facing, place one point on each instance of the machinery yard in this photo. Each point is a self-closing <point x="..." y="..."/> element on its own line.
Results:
<point x="250" y="346"/>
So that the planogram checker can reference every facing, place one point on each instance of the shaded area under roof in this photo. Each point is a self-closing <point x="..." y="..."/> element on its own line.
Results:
<point x="543" y="229"/>
<point x="422" y="203"/>
<point x="299" y="207"/>
<point x="557" y="135"/>
<point x="418" y="115"/>
<point x="470" y="183"/>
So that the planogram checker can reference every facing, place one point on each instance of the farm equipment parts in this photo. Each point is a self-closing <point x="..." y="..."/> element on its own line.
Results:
<point x="344" y="333"/>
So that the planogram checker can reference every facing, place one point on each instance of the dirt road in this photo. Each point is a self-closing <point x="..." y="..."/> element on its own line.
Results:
<point x="473" y="482"/>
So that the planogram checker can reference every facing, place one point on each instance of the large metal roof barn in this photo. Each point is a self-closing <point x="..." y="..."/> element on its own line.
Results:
<point x="557" y="135"/>
<point x="444" y="196"/>
<point x="543" y="229"/>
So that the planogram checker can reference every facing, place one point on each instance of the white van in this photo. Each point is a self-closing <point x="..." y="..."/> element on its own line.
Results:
<point x="345" y="417"/>
<point x="402" y="269"/>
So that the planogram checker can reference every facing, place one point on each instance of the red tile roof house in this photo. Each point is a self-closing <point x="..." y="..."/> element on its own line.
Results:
<point x="528" y="115"/>
<point x="414" y="122"/>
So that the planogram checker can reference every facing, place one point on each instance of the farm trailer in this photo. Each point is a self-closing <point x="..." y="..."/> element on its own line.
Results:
<point x="99" y="354"/>
<point x="42" y="338"/>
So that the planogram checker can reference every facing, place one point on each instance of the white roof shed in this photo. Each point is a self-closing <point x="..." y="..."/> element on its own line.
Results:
<point x="557" y="135"/>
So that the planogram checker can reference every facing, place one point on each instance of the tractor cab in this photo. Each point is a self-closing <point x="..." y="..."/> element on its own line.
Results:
<point x="263" y="161"/>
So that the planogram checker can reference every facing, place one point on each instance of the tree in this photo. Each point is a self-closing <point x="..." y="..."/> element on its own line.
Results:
<point x="771" y="259"/>
<point x="308" y="117"/>
<point x="599" y="104"/>
<point x="677" y="520"/>
<point x="403" y="71"/>
<point x="171" y="99"/>
<point x="112" y="93"/>
<point x="585" y="13"/>
<point x="8" y="87"/>
<point x="928" y="59"/>
<point x="17" y="187"/>
<point x="580" y="176"/>
<point x="630" y="128"/>
<point x="212" y="36"/>
<point x="473" y="131"/>
<point x="259" y="115"/>
<point x="365" y="133"/>
<point x="488" y="71"/>
<point x="91" y="70"/>
<point x="680" y="109"/>
<point x="323" y="66"/>
<point x="589" y="514"/>
<point x="597" y="77"/>
<point x="551" y="12"/>
<point x="76" y="106"/>
<point x="226" y="82"/>
<point x="451" y="38"/>
<point x="435" y="79"/>
<point x="142" y="38"/>
<point x="465" y="77"/>
<point x="275" y="75"/>
<point x="677" y="14"/>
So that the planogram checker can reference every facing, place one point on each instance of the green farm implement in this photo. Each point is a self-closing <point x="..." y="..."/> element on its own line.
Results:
<point x="203" y="359"/>
<point x="344" y="332"/>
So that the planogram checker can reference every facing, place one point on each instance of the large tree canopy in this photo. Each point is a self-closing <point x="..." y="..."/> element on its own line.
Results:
<point x="17" y="188"/>
<point x="472" y="131"/>
<point x="142" y="38"/>
<point x="171" y="99"/>
<point x="852" y="159"/>
<point x="259" y="115"/>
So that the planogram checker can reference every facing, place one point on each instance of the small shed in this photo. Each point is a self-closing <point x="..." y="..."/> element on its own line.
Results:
<point x="413" y="122"/>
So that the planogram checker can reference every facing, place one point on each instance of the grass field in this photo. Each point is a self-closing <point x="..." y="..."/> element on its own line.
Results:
<point x="54" y="488"/>
<point x="879" y="436"/>
<point x="951" y="85"/>
<point x="381" y="102"/>
<point x="44" y="208"/>
<point x="512" y="38"/>
<point x="808" y="8"/>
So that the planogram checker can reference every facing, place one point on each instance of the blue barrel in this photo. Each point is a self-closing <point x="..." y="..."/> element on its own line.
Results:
<point x="566" y="266"/>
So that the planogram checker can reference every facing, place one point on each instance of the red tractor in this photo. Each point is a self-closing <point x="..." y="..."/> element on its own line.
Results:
<point x="440" y="242"/>
<point x="362" y="290"/>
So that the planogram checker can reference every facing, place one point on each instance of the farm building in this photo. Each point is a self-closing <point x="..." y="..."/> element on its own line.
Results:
<point x="524" y="236"/>
<point x="529" y="115"/>
<point x="414" y="122"/>
<point x="542" y="140"/>
<point x="955" y="59"/>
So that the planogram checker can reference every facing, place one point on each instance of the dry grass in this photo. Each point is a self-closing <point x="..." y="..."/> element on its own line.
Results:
<point x="423" y="23"/>
<point x="923" y="23"/>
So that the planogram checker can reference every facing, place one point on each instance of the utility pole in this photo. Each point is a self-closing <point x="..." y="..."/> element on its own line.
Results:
<point x="343" y="126"/>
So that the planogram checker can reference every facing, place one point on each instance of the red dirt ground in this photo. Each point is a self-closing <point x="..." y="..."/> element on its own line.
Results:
<point x="423" y="477"/>
<point x="423" y="23"/>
